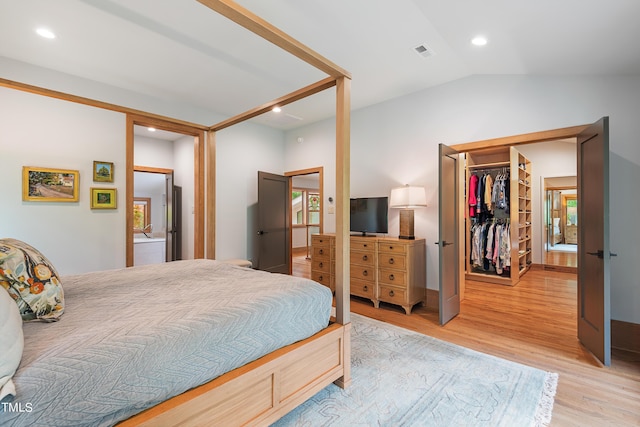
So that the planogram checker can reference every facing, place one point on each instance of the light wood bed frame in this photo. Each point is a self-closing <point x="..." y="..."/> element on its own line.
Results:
<point x="263" y="391"/>
<point x="260" y="392"/>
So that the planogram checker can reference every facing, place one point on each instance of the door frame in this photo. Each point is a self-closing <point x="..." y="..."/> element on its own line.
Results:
<point x="159" y="171"/>
<point x="309" y="171"/>
<point x="198" y="182"/>
<point x="553" y="135"/>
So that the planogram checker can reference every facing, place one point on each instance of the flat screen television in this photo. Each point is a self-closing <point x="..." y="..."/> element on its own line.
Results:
<point x="369" y="215"/>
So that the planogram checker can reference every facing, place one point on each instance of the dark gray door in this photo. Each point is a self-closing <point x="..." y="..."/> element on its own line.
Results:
<point x="594" y="315"/>
<point x="274" y="219"/>
<point x="449" y="291"/>
<point x="169" y="245"/>
<point x="177" y="223"/>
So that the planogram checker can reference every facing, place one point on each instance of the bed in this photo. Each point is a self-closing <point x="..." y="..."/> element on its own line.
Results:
<point x="262" y="390"/>
<point x="130" y="339"/>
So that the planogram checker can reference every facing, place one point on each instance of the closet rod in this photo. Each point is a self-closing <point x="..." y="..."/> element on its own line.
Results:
<point x="490" y="165"/>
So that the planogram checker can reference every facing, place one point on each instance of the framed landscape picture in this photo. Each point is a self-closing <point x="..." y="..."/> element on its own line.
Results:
<point x="49" y="185"/>
<point x="102" y="171"/>
<point x="103" y="198"/>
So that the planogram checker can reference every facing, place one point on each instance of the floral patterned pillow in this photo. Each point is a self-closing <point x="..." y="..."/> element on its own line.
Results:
<point x="31" y="280"/>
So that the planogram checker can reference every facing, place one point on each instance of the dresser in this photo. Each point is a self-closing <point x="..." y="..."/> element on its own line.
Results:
<point x="384" y="269"/>
<point x="323" y="260"/>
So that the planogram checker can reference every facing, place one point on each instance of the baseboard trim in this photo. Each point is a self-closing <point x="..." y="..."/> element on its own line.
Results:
<point x="625" y="336"/>
<point x="559" y="268"/>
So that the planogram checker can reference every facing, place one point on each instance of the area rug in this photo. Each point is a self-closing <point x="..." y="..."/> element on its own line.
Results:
<point x="403" y="378"/>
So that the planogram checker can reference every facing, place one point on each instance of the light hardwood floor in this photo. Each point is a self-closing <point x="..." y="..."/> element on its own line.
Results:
<point x="533" y="323"/>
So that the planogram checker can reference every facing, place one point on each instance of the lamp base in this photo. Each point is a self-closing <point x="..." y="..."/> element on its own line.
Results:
<point x="406" y="224"/>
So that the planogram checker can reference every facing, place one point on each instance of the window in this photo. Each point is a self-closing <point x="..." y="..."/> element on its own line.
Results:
<point x="141" y="214"/>
<point x="305" y="207"/>
<point x="572" y="211"/>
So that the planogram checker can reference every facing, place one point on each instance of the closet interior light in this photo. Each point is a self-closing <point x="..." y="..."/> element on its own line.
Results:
<point x="276" y="109"/>
<point x="151" y="129"/>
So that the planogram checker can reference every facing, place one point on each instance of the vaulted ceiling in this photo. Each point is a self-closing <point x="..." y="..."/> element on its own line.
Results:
<point x="181" y="51"/>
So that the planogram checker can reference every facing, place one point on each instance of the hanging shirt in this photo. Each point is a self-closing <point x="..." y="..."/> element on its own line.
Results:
<point x="488" y="190"/>
<point x="473" y="189"/>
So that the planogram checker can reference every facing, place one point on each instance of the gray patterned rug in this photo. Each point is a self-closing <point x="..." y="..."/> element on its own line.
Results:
<point x="403" y="378"/>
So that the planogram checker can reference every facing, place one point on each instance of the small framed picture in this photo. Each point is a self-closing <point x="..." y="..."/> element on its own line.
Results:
<point x="103" y="198"/>
<point x="102" y="171"/>
<point x="49" y="185"/>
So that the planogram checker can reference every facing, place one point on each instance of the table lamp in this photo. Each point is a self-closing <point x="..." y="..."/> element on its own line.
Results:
<point x="406" y="199"/>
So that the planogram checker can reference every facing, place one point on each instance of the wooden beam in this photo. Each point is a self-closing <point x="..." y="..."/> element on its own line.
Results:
<point x="343" y="162"/>
<point x="284" y="100"/>
<point x="527" y="138"/>
<point x="210" y="210"/>
<point x="94" y="103"/>
<point x="199" y="195"/>
<point x="262" y="28"/>
<point x="129" y="167"/>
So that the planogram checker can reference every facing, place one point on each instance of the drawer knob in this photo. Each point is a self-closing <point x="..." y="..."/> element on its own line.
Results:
<point x="321" y="265"/>
<point x="365" y="273"/>
<point x="391" y="261"/>
<point x="320" y="278"/>
<point x="391" y="277"/>
<point x="364" y="257"/>
<point x="365" y="288"/>
<point x="321" y="251"/>
<point x="391" y="293"/>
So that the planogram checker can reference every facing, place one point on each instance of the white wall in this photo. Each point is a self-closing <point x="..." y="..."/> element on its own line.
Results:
<point x="40" y="131"/>
<point x="396" y="142"/>
<point x="242" y="151"/>
<point x="184" y="176"/>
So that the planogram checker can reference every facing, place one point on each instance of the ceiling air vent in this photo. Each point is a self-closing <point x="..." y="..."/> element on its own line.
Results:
<point x="424" y="50"/>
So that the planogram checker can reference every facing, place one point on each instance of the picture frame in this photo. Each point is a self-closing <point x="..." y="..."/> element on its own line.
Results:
<point x="102" y="171"/>
<point x="49" y="185"/>
<point x="103" y="198"/>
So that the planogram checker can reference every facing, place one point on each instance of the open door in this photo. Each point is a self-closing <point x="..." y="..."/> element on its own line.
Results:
<point x="594" y="315"/>
<point x="274" y="219"/>
<point x="169" y="226"/>
<point x="449" y="304"/>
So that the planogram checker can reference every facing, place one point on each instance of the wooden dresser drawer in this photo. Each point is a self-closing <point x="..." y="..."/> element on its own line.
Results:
<point x="362" y="258"/>
<point x="320" y="240"/>
<point x="363" y="289"/>
<point x="321" y="264"/>
<point x="363" y="244"/>
<point x="323" y="278"/>
<point x="392" y="247"/>
<point x="391" y="295"/>
<point x="321" y="252"/>
<point x="360" y="272"/>
<point x="392" y="277"/>
<point x="392" y="260"/>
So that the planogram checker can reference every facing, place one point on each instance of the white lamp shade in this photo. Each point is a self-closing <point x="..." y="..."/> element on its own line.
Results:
<point x="408" y="197"/>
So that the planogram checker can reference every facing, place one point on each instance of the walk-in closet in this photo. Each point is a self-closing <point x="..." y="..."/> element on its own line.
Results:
<point x="498" y="215"/>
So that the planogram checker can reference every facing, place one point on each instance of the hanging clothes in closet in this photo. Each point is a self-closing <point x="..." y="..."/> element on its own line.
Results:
<point x="490" y="238"/>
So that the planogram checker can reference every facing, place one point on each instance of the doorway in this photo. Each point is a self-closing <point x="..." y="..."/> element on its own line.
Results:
<point x="157" y="216"/>
<point x="560" y="230"/>
<point x="183" y="156"/>
<point x="307" y="208"/>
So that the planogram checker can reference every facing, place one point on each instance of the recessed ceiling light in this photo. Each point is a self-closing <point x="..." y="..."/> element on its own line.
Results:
<point x="46" y="33"/>
<point x="276" y="109"/>
<point x="151" y="129"/>
<point x="479" y="41"/>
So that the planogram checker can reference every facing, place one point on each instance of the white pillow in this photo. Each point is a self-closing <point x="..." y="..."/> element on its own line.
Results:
<point x="11" y="342"/>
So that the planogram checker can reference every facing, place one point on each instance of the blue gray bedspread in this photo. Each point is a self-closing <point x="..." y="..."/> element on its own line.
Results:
<point x="132" y="338"/>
